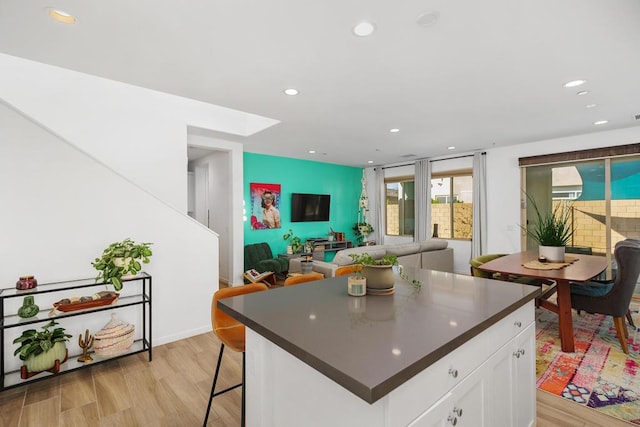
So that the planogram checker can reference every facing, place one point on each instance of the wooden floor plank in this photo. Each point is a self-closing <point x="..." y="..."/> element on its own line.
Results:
<point x="166" y="392"/>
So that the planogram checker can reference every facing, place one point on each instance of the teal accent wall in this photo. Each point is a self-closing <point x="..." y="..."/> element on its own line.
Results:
<point x="302" y="176"/>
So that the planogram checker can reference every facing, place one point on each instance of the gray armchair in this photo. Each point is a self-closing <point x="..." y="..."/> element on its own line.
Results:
<point x="612" y="299"/>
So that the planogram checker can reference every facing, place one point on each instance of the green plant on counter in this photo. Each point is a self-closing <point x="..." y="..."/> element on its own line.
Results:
<point x="365" y="259"/>
<point x="121" y="258"/>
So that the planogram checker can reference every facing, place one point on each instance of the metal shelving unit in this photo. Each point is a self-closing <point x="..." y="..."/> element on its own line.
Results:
<point x="138" y="294"/>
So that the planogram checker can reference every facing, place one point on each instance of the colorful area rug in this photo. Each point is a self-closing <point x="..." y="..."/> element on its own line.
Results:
<point x="598" y="374"/>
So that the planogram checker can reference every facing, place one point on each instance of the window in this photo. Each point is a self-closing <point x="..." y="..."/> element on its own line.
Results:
<point x="400" y="205"/>
<point x="451" y="203"/>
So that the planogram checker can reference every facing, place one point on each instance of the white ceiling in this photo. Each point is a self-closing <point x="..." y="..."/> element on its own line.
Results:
<point x="487" y="74"/>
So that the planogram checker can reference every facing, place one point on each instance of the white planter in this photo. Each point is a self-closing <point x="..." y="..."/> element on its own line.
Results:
<point x="357" y="286"/>
<point x="552" y="253"/>
<point x="47" y="360"/>
<point x="379" y="276"/>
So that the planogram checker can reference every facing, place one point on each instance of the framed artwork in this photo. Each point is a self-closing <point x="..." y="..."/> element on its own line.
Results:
<point x="265" y="204"/>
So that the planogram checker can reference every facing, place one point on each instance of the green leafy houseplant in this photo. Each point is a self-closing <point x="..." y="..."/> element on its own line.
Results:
<point x="40" y="349"/>
<point x="365" y="259"/>
<point x="121" y="258"/>
<point x="552" y="227"/>
<point x="294" y="241"/>
<point x="362" y="230"/>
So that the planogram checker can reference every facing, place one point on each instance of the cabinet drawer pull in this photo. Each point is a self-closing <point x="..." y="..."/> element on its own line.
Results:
<point x="452" y="420"/>
<point x="457" y="411"/>
<point x="516" y="354"/>
<point x="453" y="373"/>
<point x="518" y="323"/>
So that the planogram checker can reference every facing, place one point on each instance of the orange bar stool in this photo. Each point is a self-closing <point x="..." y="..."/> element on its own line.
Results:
<point x="348" y="269"/>
<point x="303" y="278"/>
<point x="231" y="333"/>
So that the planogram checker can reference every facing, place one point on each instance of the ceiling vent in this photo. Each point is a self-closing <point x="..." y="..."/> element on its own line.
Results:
<point x="406" y="156"/>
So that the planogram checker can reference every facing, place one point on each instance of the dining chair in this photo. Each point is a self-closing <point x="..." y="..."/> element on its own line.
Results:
<point x="231" y="333"/>
<point x="612" y="299"/>
<point x="302" y="278"/>
<point x="348" y="269"/>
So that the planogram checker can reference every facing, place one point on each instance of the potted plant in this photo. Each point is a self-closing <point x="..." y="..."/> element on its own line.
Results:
<point x="379" y="272"/>
<point x="121" y="258"/>
<point x="42" y="350"/>
<point x="551" y="230"/>
<point x="362" y="230"/>
<point x="294" y="242"/>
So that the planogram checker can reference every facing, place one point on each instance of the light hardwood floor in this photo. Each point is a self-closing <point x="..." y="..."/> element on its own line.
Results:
<point x="173" y="391"/>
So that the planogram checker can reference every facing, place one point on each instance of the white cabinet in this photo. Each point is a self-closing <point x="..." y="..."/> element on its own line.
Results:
<point x="462" y="406"/>
<point x="511" y="381"/>
<point x="488" y="381"/>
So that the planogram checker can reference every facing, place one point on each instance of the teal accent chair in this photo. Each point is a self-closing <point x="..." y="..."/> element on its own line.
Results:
<point x="258" y="256"/>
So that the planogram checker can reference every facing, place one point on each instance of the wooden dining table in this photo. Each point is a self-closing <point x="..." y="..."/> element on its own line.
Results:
<point x="584" y="267"/>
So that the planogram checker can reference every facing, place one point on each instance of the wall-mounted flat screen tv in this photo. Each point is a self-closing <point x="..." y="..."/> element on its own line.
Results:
<point x="310" y="207"/>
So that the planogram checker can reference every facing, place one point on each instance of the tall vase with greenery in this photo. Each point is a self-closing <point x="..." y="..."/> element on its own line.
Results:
<point x="552" y="230"/>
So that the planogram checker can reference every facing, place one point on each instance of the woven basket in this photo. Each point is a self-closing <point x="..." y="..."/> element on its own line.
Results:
<point x="115" y="338"/>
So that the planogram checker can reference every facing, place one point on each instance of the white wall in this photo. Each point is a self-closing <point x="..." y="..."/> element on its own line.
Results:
<point x="128" y="141"/>
<point x="225" y="198"/>
<point x="137" y="132"/>
<point x="61" y="209"/>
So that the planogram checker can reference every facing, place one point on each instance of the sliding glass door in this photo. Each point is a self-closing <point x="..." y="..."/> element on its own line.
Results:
<point x="603" y="197"/>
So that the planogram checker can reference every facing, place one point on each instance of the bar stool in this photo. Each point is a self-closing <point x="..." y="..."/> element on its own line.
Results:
<point x="231" y="333"/>
<point x="348" y="269"/>
<point x="303" y="278"/>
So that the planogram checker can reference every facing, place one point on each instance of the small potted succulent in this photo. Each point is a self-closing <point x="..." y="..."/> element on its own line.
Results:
<point x="120" y="259"/>
<point x="42" y="350"/>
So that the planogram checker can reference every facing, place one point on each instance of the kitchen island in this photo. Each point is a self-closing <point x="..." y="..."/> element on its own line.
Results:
<point x="458" y="351"/>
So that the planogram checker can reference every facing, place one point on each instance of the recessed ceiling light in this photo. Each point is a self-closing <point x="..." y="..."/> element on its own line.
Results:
<point x="291" y="92"/>
<point x="61" y="16"/>
<point x="428" y="18"/>
<point x="364" y="29"/>
<point x="312" y="151"/>
<point x="582" y="92"/>
<point x="601" y="122"/>
<point x="451" y="148"/>
<point x="369" y="161"/>
<point x="591" y="105"/>
<point x="574" y="83"/>
<point x="394" y="130"/>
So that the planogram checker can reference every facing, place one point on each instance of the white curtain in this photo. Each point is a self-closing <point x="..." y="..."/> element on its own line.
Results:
<point x="422" y="200"/>
<point x="479" y="237"/>
<point x="381" y="216"/>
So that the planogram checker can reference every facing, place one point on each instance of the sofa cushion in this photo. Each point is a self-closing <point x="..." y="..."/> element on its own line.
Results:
<point x="342" y="257"/>
<point x="433" y="245"/>
<point x="403" y="249"/>
<point x="412" y="260"/>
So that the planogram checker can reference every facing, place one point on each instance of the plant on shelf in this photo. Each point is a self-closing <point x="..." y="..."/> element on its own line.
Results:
<point x="362" y="230"/>
<point x="294" y="242"/>
<point x="120" y="259"/>
<point x="42" y="350"/>
<point x="552" y="228"/>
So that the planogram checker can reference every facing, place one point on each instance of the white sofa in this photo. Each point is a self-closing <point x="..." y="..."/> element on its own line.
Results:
<point x="432" y="254"/>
